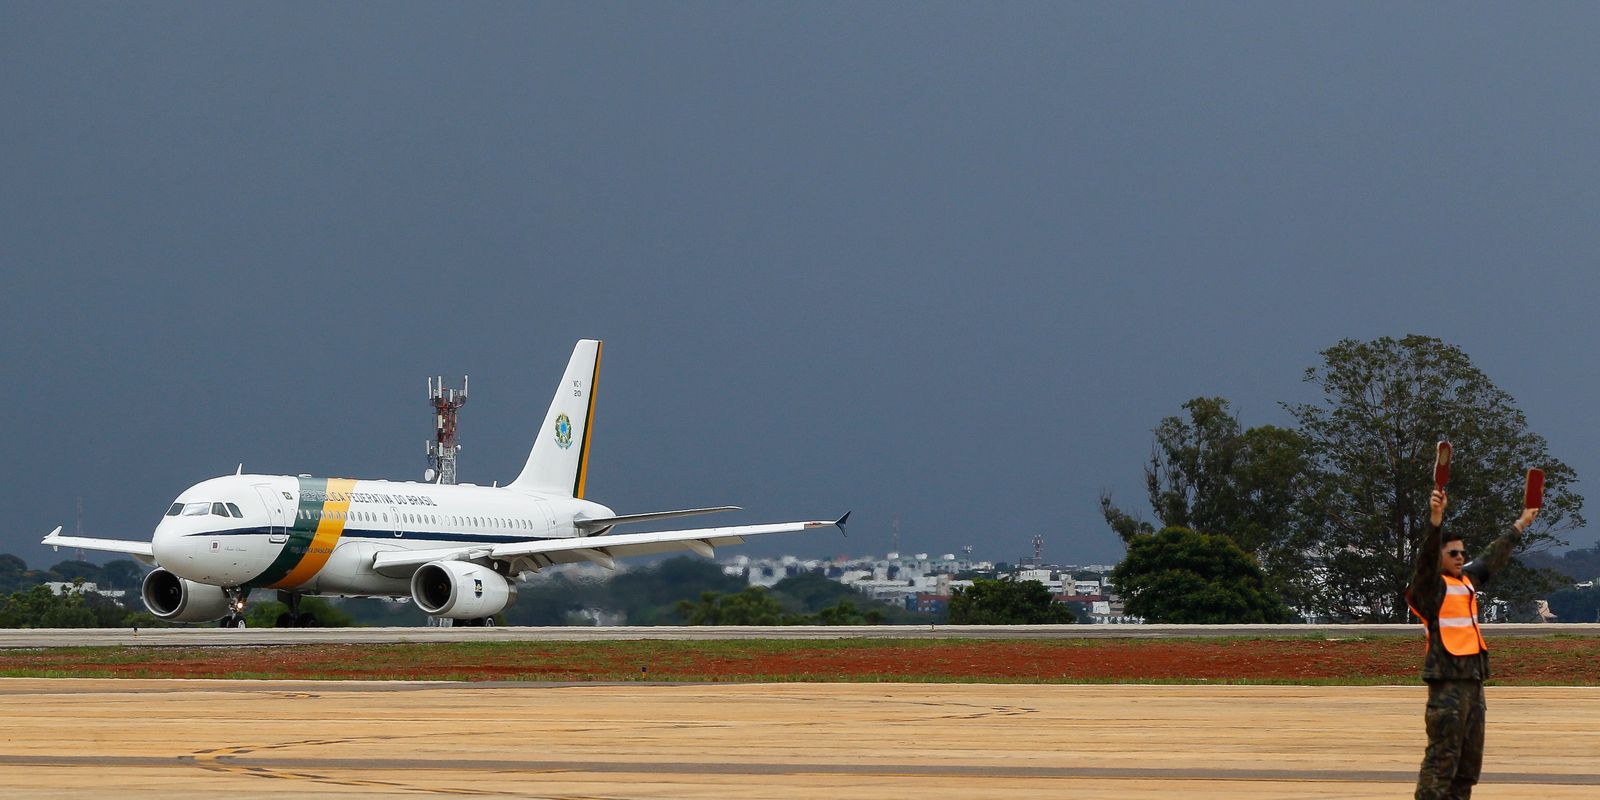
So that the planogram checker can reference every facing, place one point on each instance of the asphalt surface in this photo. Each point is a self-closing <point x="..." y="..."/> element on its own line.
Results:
<point x="275" y="739"/>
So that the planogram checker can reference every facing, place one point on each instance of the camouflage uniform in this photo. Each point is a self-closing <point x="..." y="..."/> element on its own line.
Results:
<point x="1456" y="709"/>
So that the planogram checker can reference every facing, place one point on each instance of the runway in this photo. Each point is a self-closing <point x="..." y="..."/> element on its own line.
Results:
<point x="206" y="636"/>
<point x="129" y="738"/>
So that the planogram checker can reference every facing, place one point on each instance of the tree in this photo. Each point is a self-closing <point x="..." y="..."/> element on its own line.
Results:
<point x="1006" y="602"/>
<point x="1574" y="604"/>
<point x="845" y="612"/>
<point x="812" y="591"/>
<point x="328" y="615"/>
<point x="1582" y="564"/>
<point x="553" y="597"/>
<point x="1182" y="576"/>
<point x="649" y="596"/>
<point x="752" y="606"/>
<point x="1208" y="474"/>
<point x="1371" y="448"/>
<point x="74" y="570"/>
<point x="13" y="573"/>
<point x="39" y="607"/>
<point x="122" y="574"/>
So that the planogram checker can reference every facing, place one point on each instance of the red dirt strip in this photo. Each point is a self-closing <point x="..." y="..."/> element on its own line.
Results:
<point x="1532" y="661"/>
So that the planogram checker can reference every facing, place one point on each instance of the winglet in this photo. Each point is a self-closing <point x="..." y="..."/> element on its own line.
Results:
<point x="840" y="523"/>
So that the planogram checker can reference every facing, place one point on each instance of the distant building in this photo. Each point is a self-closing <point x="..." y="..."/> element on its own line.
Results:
<point x="68" y="587"/>
<point x="936" y="604"/>
<point x="924" y="583"/>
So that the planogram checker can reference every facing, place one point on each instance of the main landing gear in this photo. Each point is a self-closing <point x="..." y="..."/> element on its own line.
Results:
<point x="293" y="618"/>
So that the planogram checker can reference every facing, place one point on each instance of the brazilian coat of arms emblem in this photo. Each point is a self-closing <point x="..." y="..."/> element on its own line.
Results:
<point x="563" y="432"/>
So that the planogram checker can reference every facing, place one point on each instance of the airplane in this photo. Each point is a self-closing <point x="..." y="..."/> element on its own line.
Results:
<point x="456" y="550"/>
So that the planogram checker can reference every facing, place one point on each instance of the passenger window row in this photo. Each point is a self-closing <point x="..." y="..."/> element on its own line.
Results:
<point x="231" y="510"/>
<point x="420" y="519"/>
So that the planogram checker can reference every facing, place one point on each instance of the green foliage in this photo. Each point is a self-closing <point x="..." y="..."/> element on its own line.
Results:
<point x="265" y="615"/>
<point x="788" y="603"/>
<point x="553" y="598"/>
<point x="645" y="596"/>
<point x="380" y="612"/>
<point x="70" y="571"/>
<point x="13" y="573"/>
<point x="752" y="606"/>
<point x="810" y="592"/>
<point x="828" y="602"/>
<point x="1333" y="509"/>
<point x="1126" y="526"/>
<point x="1386" y="402"/>
<point x="649" y="596"/>
<point x="121" y="574"/>
<point x="1579" y="565"/>
<point x="1576" y="605"/>
<point x="1182" y="576"/>
<point x="39" y="607"/>
<point x="845" y="612"/>
<point x="1207" y="473"/>
<point x="1006" y="602"/>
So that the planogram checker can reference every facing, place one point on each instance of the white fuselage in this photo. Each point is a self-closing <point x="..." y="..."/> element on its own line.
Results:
<point x="319" y="535"/>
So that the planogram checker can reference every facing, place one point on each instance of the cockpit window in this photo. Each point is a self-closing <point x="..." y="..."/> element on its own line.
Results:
<point x="234" y="510"/>
<point x="196" y="509"/>
<point x="177" y="508"/>
<point x="219" y="509"/>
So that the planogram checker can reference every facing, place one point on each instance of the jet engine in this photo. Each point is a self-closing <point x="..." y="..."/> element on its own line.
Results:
<point x="461" y="590"/>
<point x="180" y="600"/>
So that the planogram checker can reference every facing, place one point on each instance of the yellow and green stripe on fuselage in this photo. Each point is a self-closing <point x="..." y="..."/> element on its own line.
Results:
<point x="318" y="522"/>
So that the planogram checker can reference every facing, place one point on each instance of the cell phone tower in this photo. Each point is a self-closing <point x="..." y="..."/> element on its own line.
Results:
<point x="1038" y="550"/>
<point x="442" y="448"/>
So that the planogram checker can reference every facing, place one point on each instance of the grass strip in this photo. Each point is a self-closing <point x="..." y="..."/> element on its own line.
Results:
<point x="1295" y="660"/>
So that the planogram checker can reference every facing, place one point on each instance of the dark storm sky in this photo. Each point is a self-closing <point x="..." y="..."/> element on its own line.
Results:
<point x="943" y="262"/>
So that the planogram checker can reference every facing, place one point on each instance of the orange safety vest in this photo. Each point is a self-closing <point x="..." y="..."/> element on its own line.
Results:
<point x="1458" y="618"/>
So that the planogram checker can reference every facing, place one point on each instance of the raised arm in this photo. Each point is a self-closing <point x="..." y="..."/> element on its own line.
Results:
<point x="1425" y="578"/>
<point x="1499" y="551"/>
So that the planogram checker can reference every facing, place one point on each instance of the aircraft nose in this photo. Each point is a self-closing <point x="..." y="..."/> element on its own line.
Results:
<point x="165" y="543"/>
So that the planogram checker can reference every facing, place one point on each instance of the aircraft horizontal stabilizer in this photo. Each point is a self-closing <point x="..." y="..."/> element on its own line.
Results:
<point x="140" y="550"/>
<point x="599" y="523"/>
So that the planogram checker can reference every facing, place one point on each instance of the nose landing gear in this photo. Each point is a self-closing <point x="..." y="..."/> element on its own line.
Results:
<point x="236" y="600"/>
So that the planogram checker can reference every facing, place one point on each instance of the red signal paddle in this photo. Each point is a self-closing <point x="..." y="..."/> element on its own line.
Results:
<point x="1534" y="496"/>
<point x="1441" y="466"/>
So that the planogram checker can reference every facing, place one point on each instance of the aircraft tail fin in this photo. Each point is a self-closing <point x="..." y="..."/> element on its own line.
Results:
<point x="560" y="455"/>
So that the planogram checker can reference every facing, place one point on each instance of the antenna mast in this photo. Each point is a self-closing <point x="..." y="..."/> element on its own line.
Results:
<point x="80" y="524"/>
<point x="442" y="448"/>
<point x="1038" y="550"/>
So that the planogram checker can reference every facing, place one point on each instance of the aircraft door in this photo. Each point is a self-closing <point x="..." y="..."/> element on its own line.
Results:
<point x="394" y="522"/>
<point x="277" y="525"/>
<point x="548" y="516"/>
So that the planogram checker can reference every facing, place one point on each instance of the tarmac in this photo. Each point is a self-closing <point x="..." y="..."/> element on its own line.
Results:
<point x="246" y="739"/>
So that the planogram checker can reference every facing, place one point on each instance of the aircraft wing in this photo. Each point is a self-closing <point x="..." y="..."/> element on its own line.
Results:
<point x="602" y="550"/>
<point x="139" y="550"/>
<point x="597" y="523"/>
